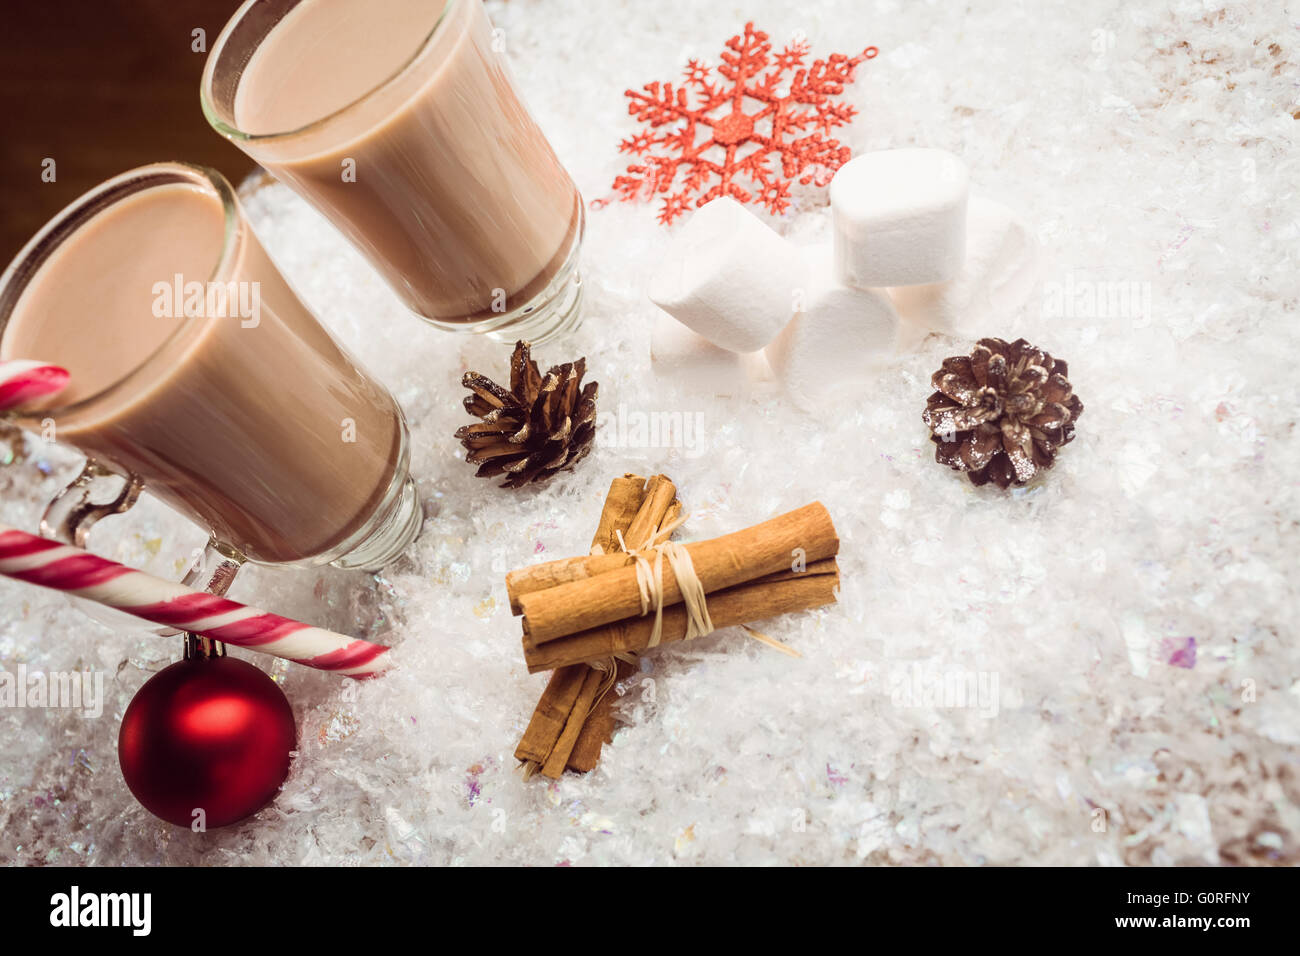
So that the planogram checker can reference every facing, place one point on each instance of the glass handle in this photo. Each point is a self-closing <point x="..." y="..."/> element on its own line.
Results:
<point x="71" y="514"/>
<point x="97" y="493"/>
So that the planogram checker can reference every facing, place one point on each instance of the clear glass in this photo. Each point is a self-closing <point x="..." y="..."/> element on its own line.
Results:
<point x="270" y="437"/>
<point x="438" y="173"/>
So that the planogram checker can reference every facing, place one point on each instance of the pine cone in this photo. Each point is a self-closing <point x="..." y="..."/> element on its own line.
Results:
<point x="1002" y="413"/>
<point x="538" y="427"/>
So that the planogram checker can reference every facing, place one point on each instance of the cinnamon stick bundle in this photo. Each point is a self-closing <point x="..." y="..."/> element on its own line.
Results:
<point x="583" y="617"/>
<point x="614" y="595"/>
<point x="573" y="720"/>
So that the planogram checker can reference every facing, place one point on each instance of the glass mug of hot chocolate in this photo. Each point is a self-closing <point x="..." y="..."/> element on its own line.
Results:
<point x="197" y="374"/>
<point x="398" y="120"/>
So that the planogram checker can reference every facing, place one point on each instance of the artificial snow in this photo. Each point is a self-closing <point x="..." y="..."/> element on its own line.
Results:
<point x="1099" y="669"/>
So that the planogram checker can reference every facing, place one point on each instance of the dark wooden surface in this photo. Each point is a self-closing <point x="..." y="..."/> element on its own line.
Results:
<point x="99" y="86"/>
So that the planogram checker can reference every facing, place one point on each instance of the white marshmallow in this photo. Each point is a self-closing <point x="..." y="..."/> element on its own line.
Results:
<point x="680" y="355"/>
<point x="837" y="340"/>
<point x="996" y="279"/>
<point x="729" y="277"/>
<point x="899" y="217"/>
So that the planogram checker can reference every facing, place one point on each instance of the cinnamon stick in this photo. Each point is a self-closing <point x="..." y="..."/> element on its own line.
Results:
<point x="550" y="574"/>
<point x="670" y="517"/>
<point x="551" y="714"/>
<point x="659" y="495"/>
<point x="744" y="604"/>
<point x="559" y="756"/>
<point x="621" y="505"/>
<point x="599" y="728"/>
<point x="720" y="563"/>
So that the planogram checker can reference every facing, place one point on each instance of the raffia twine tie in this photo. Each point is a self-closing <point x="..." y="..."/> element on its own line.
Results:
<point x="650" y="577"/>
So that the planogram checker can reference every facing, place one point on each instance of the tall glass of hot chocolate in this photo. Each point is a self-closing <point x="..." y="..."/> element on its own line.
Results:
<point x="197" y="374"/>
<point x="398" y="120"/>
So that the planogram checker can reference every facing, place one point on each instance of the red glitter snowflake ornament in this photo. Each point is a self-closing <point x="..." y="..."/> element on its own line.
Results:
<point x="716" y="139"/>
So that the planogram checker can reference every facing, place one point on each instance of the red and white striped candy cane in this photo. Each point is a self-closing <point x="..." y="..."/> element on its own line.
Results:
<point x="23" y="381"/>
<point x="36" y="560"/>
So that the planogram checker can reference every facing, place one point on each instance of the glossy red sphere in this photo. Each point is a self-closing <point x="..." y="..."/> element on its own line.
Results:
<point x="206" y="734"/>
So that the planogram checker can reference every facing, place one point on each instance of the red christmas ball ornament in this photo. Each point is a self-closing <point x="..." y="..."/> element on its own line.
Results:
<point x="210" y="734"/>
